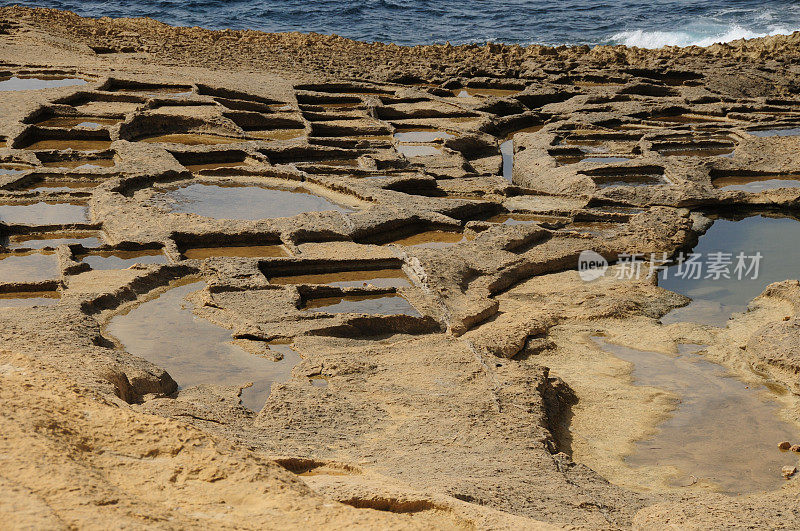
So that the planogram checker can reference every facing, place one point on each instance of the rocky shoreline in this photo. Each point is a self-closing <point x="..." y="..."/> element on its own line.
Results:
<point x="478" y="401"/>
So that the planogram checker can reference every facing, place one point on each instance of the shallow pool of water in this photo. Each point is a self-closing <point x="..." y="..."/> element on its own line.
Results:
<point x="698" y="152"/>
<point x="471" y="92"/>
<point x="246" y="202"/>
<point x="391" y="304"/>
<point x="33" y="267"/>
<point x="79" y="164"/>
<point x="103" y="260"/>
<point x="188" y="139"/>
<point x="714" y="300"/>
<point x="722" y="431"/>
<point x="88" y="122"/>
<point x="276" y="134"/>
<point x="29" y="298"/>
<point x="516" y="218"/>
<point x="431" y="239"/>
<point x="62" y="185"/>
<point x="381" y="278"/>
<point x="76" y="144"/>
<point x="421" y="135"/>
<point x="54" y="239"/>
<point x="38" y="83"/>
<point x="165" y="331"/>
<point x="756" y="184"/>
<point x="194" y="168"/>
<point x="243" y="251"/>
<point x="788" y="131"/>
<point x="507" y="150"/>
<point x="43" y="213"/>
<point x="13" y="169"/>
<point x="411" y="150"/>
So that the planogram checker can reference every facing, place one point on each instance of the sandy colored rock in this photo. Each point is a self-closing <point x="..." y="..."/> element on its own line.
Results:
<point x="483" y="405"/>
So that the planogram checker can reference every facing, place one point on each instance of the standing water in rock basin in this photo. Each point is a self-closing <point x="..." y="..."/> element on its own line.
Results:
<point x="714" y="411"/>
<point x="715" y="299"/>
<point x="165" y="331"/>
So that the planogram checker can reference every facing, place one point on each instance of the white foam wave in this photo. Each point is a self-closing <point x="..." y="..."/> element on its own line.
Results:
<point x="657" y="39"/>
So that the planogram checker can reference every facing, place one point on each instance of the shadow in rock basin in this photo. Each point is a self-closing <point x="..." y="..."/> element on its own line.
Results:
<point x="714" y="300"/>
<point x="165" y="331"/>
<point x="246" y="202"/>
<point x="716" y="413"/>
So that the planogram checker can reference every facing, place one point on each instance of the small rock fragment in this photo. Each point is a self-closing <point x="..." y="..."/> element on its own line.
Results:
<point x="786" y="318"/>
<point x="785" y="445"/>
<point x="788" y="471"/>
<point x="795" y="448"/>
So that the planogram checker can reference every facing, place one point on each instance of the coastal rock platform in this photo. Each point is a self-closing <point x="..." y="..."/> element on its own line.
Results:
<point x="407" y="221"/>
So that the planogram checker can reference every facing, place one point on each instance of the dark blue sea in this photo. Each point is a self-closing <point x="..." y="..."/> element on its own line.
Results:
<point x="646" y="24"/>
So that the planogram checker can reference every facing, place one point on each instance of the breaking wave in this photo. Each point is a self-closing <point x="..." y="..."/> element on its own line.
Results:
<point x="692" y="37"/>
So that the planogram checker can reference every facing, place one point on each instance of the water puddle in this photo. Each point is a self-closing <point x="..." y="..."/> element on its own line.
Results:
<point x="788" y="131"/>
<point x="756" y="183"/>
<point x="62" y="185"/>
<point x="87" y="122"/>
<point x="75" y="143"/>
<point x="243" y="251"/>
<point x="53" y="239"/>
<point x="104" y="260"/>
<point x="379" y="278"/>
<point x="43" y="213"/>
<point x="698" y="152"/>
<point x="515" y="218"/>
<point x="34" y="267"/>
<point x="716" y="413"/>
<point x="421" y="135"/>
<point x="190" y="139"/>
<point x="391" y="304"/>
<point x="714" y="300"/>
<point x="165" y="331"/>
<point x="195" y="168"/>
<point x="431" y="239"/>
<point x="604" y="181"/>
<point x="507" y="150"/>
<point x="471" y="92"/>
<point x="79" y="164"/>
<point x="107" y="107"/>
<point x="689" y="118"/>
<point x="247" y="202"/>
<point x="13" y="169"/>
<point x="29" y="298"/>
<point x="411" y="150"/>
<point x="606" y="160"/>
<point x="276" y="134"/>
<point x="38" y="83"/>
